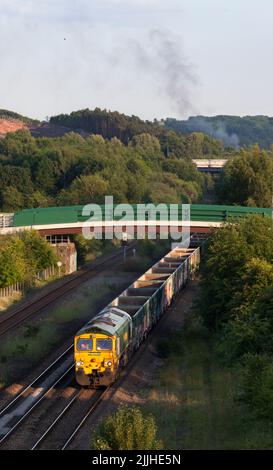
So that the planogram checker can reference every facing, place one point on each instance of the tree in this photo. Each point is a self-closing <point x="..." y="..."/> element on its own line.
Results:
<point x="22" y="257"/>
<point x="12" y="261"/>
<point x="12" y="199"/>
<point x="38" y="253"/>
<point x="127" y="429"/>
<point x="229" y="272"/>
<point x="45" y="175"/>
<point x="124" y="157"/>
<point x="247" y="179"/>
<point x="146" y="144"/>
<point x="249" y="330"/>
<point x="38" y="199"/>
<point x="88" y="189"/>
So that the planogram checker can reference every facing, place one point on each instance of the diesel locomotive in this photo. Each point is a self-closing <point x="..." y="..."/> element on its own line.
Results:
<point x="108" y="341"/>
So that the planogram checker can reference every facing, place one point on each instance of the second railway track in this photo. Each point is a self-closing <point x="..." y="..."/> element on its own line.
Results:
<point x="16" y="411"/>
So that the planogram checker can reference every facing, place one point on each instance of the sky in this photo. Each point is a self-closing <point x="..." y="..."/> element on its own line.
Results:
<point x="150" y="58"/>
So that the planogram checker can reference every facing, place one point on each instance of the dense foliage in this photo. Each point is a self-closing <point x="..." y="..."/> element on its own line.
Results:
<point x="232" y="130"/>
<point x="247" y="179"/>
<point x="127" y="429"/>
<point x="22" y="257"/>
<point x="125" y="128"/>
<point x="236" y="301"/>
<point x="76" y="170"/>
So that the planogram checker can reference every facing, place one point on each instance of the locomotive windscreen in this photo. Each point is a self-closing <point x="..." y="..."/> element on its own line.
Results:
<point x="84" y="344"/>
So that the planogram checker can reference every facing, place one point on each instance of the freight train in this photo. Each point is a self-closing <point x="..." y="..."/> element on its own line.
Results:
<point x="107" y="342"/>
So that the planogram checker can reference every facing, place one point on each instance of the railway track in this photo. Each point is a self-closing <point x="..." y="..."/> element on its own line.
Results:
<point x="31" y="308"/>
<point x="69" y="420"/>
<point x="63" y="429"/>
<point x="16" y="411"/>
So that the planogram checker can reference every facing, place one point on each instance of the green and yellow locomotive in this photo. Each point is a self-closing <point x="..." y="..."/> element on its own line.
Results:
<point x="102" y="346"/>
<point x="107" y="342"/>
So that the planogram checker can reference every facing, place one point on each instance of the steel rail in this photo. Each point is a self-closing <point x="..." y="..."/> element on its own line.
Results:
<point x="87" y="414"/>
<point x="42" y="375"/>
<point x="41" y="397"/>
<point x="56" y="420"/>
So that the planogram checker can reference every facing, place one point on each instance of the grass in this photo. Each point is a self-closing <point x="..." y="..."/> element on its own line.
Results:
<point x="195" y="398"/>
<point x="137" y="264"/>
<point x="6" y="302"/>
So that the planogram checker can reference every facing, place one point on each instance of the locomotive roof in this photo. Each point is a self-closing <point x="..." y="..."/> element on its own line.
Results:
<point x="107" y="322"/>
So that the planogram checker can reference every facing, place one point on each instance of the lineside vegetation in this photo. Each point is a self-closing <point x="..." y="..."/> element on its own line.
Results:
<point x="23" y="256"/>
<point x="127" y="429"/>
<point x="236" y="304"/>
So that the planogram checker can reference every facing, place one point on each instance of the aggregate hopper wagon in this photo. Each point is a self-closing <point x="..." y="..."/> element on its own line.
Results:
<point x="108" y="340"/>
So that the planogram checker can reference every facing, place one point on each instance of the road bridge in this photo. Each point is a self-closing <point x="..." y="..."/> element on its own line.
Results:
<point x="69" y="220"/>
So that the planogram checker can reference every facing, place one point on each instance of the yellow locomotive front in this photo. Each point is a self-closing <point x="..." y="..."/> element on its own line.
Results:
<point x="95" y="359"/>
<point x="101" y="346"/>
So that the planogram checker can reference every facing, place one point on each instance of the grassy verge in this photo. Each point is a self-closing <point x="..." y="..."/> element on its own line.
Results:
<point x="195" y="400"/>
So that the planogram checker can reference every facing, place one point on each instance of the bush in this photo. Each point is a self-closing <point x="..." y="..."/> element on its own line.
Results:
<point x="21" y="257"/>
<point x="237" y="268"/>
<point x="127" y="429"/>
<point x="257" y="384"/>
<point x="38" y="253"/>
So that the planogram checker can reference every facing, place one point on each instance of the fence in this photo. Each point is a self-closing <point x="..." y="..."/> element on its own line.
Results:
<point x="46" y="273"/>
<point x="19" y="287"/>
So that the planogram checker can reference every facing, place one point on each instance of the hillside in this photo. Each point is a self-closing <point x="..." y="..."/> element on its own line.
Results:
<point x="67" y="161"/>
<point x="234" y="131"/>
<point x="12" y="122"/>
<point x="112" y="124"/>
<point x="10" y="125"/>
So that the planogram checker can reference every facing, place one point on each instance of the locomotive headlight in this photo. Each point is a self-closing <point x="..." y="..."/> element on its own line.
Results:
<point x="109" y="363"/>
<point x="79" y="363"/>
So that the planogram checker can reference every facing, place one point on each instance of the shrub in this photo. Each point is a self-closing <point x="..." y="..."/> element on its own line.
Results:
<point x="21" y="257"/>
<point x="257" y="384"/>
<point x="127" y="429"/>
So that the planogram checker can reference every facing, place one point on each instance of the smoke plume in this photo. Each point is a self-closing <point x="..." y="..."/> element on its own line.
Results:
<point x="218" y="130"/>
<point x="161" y="58"/>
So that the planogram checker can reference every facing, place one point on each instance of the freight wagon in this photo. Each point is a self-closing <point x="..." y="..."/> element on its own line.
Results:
<point x="107" y="342"/>
<point x="73" y="214"/>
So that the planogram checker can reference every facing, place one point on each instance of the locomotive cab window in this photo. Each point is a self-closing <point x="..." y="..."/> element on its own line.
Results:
<point x="84" y="344"/>
<point x="104" y="344"/>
